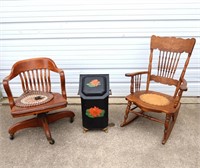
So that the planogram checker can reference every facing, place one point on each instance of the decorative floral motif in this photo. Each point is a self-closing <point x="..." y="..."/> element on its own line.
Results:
<point x="94" y="83"/>
<point x="94" y="112"/>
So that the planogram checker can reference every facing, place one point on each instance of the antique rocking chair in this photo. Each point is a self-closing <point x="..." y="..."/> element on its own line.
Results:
<point x="167" y="56"/>
<point x="37" y="98"/>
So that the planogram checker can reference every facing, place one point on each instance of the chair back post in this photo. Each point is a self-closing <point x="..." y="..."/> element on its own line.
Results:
<point x="149" y="69"/>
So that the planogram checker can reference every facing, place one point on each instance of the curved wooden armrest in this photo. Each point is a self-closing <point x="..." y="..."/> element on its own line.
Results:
<point x="8" y="90"/>
<point x="183" y="86"/>
<point x="59" y="70"/>
<point x="136" y="73"/>
<point x="62" y="82"/>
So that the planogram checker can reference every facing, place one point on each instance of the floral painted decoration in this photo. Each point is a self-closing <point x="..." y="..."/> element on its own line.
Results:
<point x="94" y="112"/>
<point x="94" y="83"/>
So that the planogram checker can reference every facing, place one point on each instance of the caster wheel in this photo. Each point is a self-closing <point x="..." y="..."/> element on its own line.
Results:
<point x="11" y="137"/>
<point x="71" y="119"/>
<point x="51" y="141"/>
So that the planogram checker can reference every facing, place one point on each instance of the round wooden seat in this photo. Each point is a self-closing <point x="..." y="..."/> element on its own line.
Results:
<point x="154" y="99"/>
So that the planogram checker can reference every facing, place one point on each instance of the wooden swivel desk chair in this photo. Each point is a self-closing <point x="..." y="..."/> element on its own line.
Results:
<point x="37" y="98"/>
<point x="168" y="56"/>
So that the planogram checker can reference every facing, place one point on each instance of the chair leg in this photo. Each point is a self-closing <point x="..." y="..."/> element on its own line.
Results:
<point x="21" y="125"/>
<point x="128" y="109"/>
<point x="42" y="120"/>
<point x="169" y="124"/>
<point x="45" y="124"/>
<point x="52" y="118"/>
<point x="59" y="115"/>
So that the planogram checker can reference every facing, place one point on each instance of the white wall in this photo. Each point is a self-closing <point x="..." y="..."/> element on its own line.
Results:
<point x="92" y="36"/>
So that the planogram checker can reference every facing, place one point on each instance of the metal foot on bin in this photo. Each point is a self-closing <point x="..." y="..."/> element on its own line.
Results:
<point x="105" y="130"/>
<point x="85" y="130"/>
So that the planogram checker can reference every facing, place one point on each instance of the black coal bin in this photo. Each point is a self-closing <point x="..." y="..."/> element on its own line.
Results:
<point x="94" y="92"/>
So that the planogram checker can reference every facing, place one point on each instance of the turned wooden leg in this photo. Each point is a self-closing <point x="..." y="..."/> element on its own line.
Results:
<point x="174" y="117"/>
<point x="126" y="114"/>
<point x="170" y="120"/>
<point x="167" y="125"/>
<point x="128" y="109"/>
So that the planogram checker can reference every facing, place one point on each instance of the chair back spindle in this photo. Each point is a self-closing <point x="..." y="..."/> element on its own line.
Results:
<point x="167" y="63"/>
<point x="168" y="51"/>
<point x="37" y="80"/>
<point x="135" y="83"/>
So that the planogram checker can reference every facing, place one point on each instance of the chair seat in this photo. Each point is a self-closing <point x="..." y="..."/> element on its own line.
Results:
<point x="57" y="101"/>
<point x="153" y="101"/>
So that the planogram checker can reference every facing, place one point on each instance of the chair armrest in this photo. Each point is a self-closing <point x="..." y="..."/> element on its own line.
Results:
<point x="136" y="73"/>
<point x="8" y="91"/>
<point x="183" y="86"/>
<point x="135" y="80"/>
<point x="62" y="82"/>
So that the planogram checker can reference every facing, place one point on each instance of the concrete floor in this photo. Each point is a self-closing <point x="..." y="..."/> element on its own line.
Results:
<point x="137" y="145"/>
